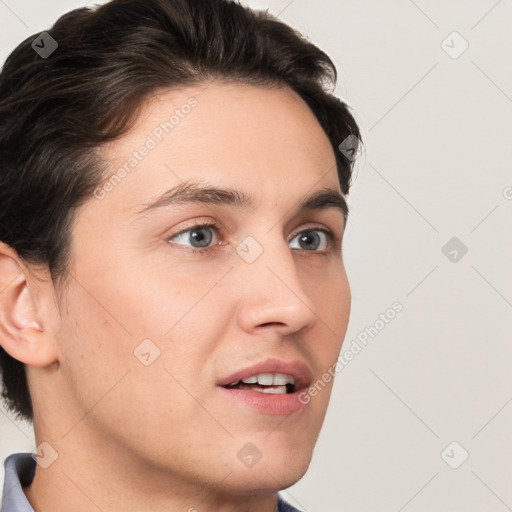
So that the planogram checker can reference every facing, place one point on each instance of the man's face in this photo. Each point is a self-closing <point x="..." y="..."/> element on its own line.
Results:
<point x="150" y="328"/>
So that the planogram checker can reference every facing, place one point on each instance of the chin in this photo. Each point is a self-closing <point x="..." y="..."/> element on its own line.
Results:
<point x="274" y="474"/>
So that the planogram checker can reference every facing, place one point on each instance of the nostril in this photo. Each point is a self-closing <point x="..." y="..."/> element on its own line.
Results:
<point x="272" y="324"/>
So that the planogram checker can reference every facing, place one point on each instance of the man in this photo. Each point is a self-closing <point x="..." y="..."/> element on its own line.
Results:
<point x="173" y="179"/>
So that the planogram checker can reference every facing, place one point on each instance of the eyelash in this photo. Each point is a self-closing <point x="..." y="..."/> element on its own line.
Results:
<point x="332" y="240"/>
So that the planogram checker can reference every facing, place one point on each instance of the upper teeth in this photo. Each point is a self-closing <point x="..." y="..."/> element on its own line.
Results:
<point x="268" y="379"/>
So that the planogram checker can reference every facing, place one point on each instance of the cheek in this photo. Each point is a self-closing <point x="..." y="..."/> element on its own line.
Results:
<point x="155" y="326"/>
<point x="120" y="391"/>
<point x="94" y="348"/>
<point x="331" y="295"/>
<point x="332" y="298"/>
<point x="158" y="295"/>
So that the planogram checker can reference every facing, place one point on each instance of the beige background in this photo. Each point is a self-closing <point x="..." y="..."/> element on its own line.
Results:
<point x="437" y="127"/>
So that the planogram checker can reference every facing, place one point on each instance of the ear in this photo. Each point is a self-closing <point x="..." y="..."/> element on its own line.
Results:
<point x="24" y="330"/>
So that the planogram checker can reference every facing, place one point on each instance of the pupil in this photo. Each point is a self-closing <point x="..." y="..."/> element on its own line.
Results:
<point x="200" y="237"/>
<point x="308" y="235"/>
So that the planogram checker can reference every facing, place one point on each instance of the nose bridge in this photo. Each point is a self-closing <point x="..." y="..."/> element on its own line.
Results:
<point x="272" y="291"/>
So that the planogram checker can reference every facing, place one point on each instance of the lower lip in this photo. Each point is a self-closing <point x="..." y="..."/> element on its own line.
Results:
<point x="266" y="403"/>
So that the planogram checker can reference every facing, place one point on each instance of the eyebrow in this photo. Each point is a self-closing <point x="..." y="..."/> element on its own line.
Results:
<point x="193" y="192"/>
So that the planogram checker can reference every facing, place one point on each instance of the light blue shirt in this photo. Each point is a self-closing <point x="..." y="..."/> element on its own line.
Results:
<point x="20" y="470"/>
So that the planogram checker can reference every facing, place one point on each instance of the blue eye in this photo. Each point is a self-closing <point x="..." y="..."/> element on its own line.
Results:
<point x="312" y="238"/>
<point x="196" y="234"/>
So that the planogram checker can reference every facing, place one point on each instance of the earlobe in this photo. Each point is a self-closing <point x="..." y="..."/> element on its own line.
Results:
<point x="22" y="333"/>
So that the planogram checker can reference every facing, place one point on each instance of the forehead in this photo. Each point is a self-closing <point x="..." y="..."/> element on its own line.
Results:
<point x="253" y="138"/>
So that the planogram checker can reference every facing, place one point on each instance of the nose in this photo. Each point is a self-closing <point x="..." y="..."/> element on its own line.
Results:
<point x="272" y="295"/>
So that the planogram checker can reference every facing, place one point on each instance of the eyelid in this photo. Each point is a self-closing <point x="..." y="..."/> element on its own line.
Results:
<point x="307" y="228"/>
<point x="197" y="225"/>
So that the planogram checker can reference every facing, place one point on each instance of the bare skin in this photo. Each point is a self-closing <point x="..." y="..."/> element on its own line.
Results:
<point x="131" y="437"/>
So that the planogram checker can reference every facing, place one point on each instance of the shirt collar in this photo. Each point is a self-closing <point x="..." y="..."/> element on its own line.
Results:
<point x="19" y="472"/>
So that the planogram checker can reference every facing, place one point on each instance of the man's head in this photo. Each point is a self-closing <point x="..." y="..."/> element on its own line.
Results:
<point x="122" y="329"/>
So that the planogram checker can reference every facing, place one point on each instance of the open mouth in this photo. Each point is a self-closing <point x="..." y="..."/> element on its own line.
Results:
<point x="277" y="383"/>
<point x="276" y="389"/>
<point x="272" y="387"/>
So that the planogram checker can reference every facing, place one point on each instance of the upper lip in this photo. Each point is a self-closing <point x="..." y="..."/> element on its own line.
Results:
<point x="298" y="370"/>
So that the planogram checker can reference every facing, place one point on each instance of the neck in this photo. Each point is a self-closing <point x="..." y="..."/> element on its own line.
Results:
<point x="54" y="491"/>
<point x="97" y="476"/>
